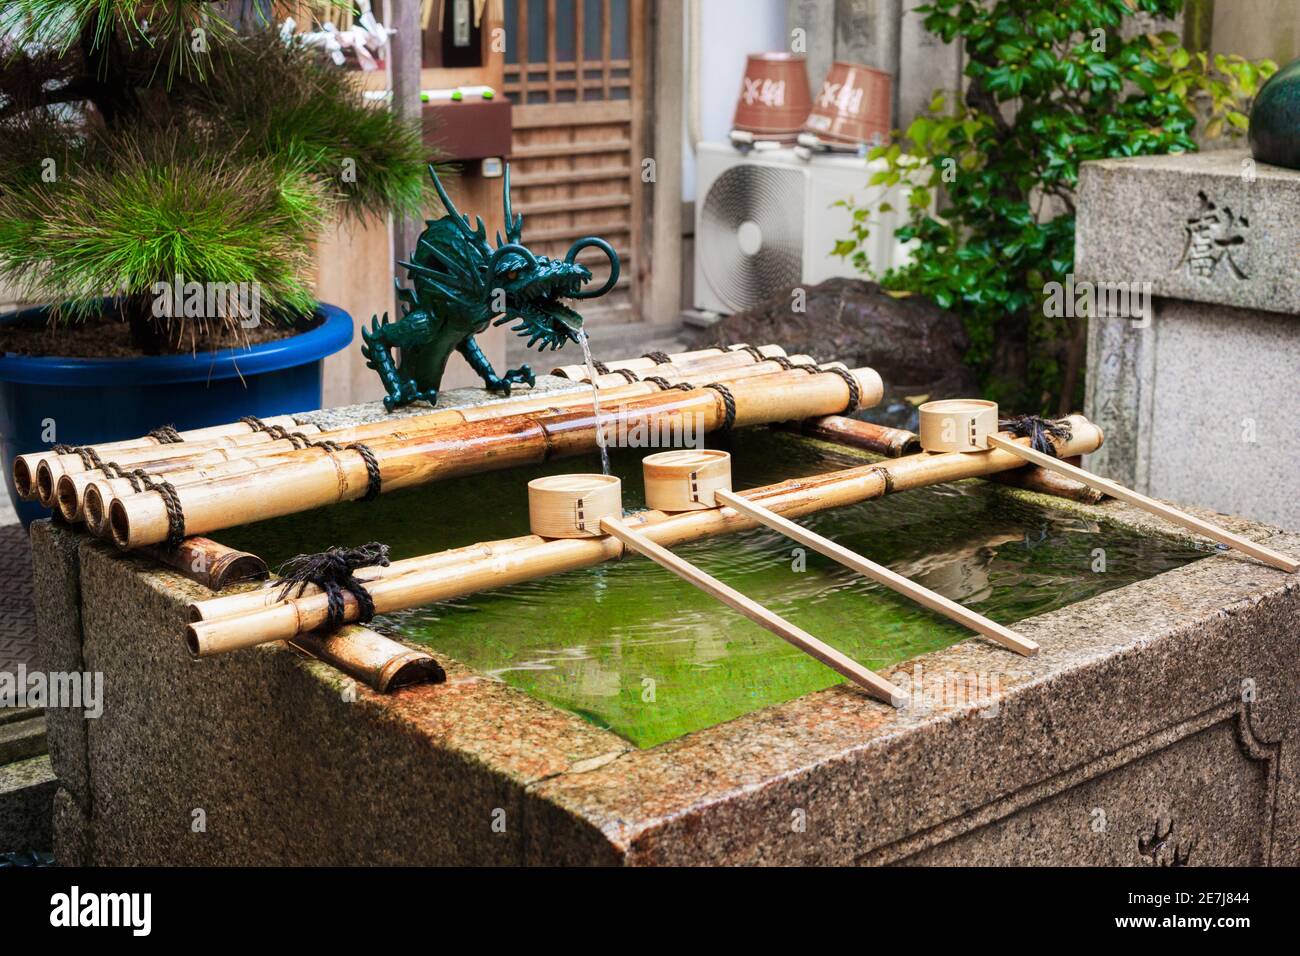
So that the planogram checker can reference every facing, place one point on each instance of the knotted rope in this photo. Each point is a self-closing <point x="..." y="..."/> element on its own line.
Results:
<point x="331" y="571"/>
<point x="1039" y="431"/>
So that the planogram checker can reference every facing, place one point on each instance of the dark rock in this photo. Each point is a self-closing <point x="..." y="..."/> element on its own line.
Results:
<point x="916" y="346"/>
<point x="1275" y="119"/>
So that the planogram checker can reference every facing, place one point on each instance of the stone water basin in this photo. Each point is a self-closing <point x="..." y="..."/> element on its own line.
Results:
<point x="1162" y="701"/>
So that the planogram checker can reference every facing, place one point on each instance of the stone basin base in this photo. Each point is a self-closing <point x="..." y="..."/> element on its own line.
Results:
<point x="1157" y="726"/>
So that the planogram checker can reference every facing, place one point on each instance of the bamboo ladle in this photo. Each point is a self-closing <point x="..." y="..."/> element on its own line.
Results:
<point x="970" y="425"/>
<point x="870" y="681"/>
<point x="880" y="574"/>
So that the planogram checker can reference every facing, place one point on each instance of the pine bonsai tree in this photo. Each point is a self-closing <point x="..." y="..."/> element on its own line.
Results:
<point x="147" y="140"/>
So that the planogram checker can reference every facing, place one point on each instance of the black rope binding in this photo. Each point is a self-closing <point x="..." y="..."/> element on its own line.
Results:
<point x="331" y="571"/>
<point x="166" y="435"/>
<point x="728" y="402"/>
<point x="659" y="358"/>
<point x="89" y="458"/>
<point x="1039" y="431"/>
<point x="666" y="385"/>
<point x="171" y="501"/>
<point x="627" y="373"/>
<point x="600" y="367"/>
<point x="855" y="394"/>
<point x="374" y="480"/>
<point x="753" y="350"/>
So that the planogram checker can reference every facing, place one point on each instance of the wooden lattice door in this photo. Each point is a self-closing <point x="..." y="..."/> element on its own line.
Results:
<point x="574" y="72"/>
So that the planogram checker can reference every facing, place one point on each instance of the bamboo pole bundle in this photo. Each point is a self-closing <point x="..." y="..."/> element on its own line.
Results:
<point x="312" y="478"/>
<point x="25" y="466"/>
<point x="85" y="496"/>
<point x="792" y="499"/>
<point x="37" y="474"/>
<point x="68" y="495"/>
<point x="51" y="469"/>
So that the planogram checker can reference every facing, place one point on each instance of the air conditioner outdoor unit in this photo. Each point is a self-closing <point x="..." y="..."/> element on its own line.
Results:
<point x="767" y="220"/>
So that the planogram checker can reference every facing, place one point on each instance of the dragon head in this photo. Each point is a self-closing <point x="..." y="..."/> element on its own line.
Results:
<point x="460" y="276"/>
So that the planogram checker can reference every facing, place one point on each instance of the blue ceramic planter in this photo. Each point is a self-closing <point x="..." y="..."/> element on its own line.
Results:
<point x="99" y="400"/>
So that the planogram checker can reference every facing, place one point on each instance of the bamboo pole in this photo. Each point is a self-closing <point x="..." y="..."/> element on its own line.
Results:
<point x="85" y="496"/>
<point x="24" y="468"/>
<point x="836" y="660"/>
<point x="894" y="442"/>
<point x="881" y="575"/>
<point x="69" y="494"/>
<point x="793" y="498"/>
<point x="891" y="442"/>
<point x="379" y="662"/>
<point x="643" y="363"/>
<point x="1157" y="508"/>
<point x="209" y="562"/>
<point x="1044" y="482"/>
<point x="313" y="478"/>
<point x="233" y="605"/>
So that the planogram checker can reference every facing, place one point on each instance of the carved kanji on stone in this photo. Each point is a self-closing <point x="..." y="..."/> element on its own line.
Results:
<point x="1213" y="236"/>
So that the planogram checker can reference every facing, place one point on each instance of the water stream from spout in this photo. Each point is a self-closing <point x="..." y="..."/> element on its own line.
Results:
<point x="595" y="400"/>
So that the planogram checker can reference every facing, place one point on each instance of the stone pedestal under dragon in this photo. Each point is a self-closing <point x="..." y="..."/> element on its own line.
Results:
<point x="460" y="285"/>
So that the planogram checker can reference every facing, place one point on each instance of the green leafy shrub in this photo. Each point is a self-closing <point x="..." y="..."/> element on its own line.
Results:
<point x="1049" y="87"/>
<point x="135" y="154"/>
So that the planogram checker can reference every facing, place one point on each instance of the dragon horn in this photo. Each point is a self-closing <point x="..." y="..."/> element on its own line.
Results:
<point x="514" y="224"/>
<point x="572" y="256"/>
<point x="515" y="248"/>
<point x="461" y="222"/>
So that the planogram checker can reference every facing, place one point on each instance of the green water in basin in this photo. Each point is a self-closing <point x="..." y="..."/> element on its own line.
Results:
<point x="634" y="649"/>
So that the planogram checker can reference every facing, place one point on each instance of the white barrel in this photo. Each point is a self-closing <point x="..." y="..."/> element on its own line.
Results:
<point x="958" y="424"/>
<point x="685" y="479"/>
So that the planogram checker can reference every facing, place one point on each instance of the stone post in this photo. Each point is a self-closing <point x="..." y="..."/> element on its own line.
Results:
<point x="1198" y="394"/>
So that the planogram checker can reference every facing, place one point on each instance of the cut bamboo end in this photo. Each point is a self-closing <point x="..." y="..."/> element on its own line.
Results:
<point x="958" y="424"/>
<point x="46" y="481"/>
<point x="24" y="480"/>
<point x="685" y="479"/>
<point x="572" y="506"/>
<point x="66" y="499"/>
<point x="93" y="509"/>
